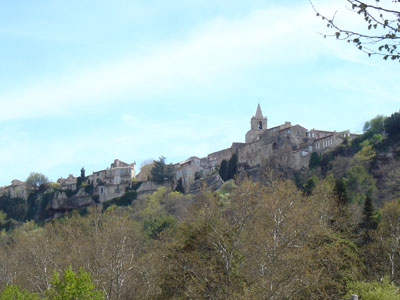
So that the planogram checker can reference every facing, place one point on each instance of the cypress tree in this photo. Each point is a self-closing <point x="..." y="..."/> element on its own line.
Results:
<point x="223" y="170"/>
<point x="232" y="167"/>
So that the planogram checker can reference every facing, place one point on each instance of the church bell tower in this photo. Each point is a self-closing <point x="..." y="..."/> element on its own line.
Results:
<point x="258" y="126"/>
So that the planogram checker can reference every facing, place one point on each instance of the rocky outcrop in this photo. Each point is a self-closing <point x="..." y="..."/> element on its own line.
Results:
<point x="212" y="182"/>
<point x="61" y="202"/>
<point x="147" y="187"/>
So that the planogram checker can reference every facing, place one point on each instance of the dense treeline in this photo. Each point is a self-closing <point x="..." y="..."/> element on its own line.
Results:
<point x="248" y="241"/>
<point x="319" y="236"/>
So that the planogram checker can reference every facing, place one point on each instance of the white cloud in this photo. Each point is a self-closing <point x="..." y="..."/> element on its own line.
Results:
<point x="219" y="49"/>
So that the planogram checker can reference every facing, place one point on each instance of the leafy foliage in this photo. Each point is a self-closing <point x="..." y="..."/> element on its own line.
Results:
<point x="161" y="172"/>
<point x="315" y="160"/>
<point x="13" y="292"/>
<point x="35" y="180"/>
<point x="392" y="125"/>
<point x="153" y="227"/>
<point x="382" y="32"/>
<point x="375" y="290"/>
<point x="73" y="286"/>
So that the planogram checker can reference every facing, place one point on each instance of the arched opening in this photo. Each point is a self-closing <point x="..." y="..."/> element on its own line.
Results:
<point x="274" y="146"/>
<point x="260" y="125"/>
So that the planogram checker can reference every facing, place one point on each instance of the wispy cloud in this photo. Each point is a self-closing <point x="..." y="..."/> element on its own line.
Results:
<point x="218" y="49"/>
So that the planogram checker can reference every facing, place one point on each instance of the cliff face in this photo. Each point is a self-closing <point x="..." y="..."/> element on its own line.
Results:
<point x="61" y="202"/>
<point x="212" y="182"/>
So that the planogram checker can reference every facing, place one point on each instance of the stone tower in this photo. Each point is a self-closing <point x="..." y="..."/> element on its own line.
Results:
<point x="258" y="126"/>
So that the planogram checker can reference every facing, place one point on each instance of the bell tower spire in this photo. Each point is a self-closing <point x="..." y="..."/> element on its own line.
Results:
<point x="258" y="126"/>
<point x="259" y="114"/>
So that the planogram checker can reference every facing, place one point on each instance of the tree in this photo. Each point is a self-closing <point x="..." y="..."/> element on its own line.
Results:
<point x="369" y="217"/>
<point x="359" y="183"/>
<point x="375" y="125"/>
<point x="73" y="287"/>
<point x="392" y="125"/>
<point x="35" y="180"/>
<point x="13" y="292"/>
<point x="388" y="236"/>
<point x="310" y="185"/>
<point x="161" y="172"/>
<point x="377" y="290"/>
<point x="382" y="34"/>
<point x="315" y="160"/>
<point x="223" y="170"/>
<point x="232" y="166"/>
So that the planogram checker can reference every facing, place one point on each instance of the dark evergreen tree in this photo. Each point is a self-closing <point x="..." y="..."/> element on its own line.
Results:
<point x="341" y="192"/>
<point x="232" y="167"/>
<point x="368" y="221"/>
<point x="223" y="170"/>
<point x="315" y="160"/>
<point x="392" y="126"/>
<point x="324" y="163"/>
<point x="161" y="172"/>
<point x="310" y="185"/>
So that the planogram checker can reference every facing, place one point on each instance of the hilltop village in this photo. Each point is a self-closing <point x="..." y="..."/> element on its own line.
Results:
<point x="291" y="144"/>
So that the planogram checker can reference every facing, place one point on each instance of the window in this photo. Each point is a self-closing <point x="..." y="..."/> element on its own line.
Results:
<point x="101" y="190"/>
<point x="260" y="125"/>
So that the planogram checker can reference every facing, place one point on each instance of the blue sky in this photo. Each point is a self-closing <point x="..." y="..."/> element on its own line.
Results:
<point x="85" y="82"/>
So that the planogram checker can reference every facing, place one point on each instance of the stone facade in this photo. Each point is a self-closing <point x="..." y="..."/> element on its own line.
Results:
<point x="112" y="182"/>
<point x="187" y="170"/>
<point x="17" y="189"/>
<point x="68" y="183"/>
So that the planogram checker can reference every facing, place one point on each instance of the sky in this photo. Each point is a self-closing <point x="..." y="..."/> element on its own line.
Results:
<point x="83" y="82"/>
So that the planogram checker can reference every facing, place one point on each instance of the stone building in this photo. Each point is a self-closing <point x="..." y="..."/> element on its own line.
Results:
<point x="68" y="183"/>
<point x="187" y="170"/>
<point x="17" y="189"/>
<point x="112" y="182"/>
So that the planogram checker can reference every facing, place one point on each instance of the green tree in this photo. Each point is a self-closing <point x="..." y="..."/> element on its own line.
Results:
<point x="310" y="185"/>
<point x="315" y="160"/>
<point x="35" y="180"/>
<point x="369" y="219"/>
<point x="392" y="125"/>
<point x="161" y="172"/>
<point x="376" y="290"/>
<point x="232" y="167"/>
<point x="388" y="237"/>
<point x="382" y="31"/>
<point x="223" y="170"/>
<point x="73" y="287"/>
<point x="359" y="183"/>
<point x="154" y="226"/>
<point x="366" y="153"/>
<point x="375" y="125"/>
<point x="13" y="292"/>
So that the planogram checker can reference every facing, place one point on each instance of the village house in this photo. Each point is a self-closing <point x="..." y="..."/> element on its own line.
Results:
<point x="68" y="183"/>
